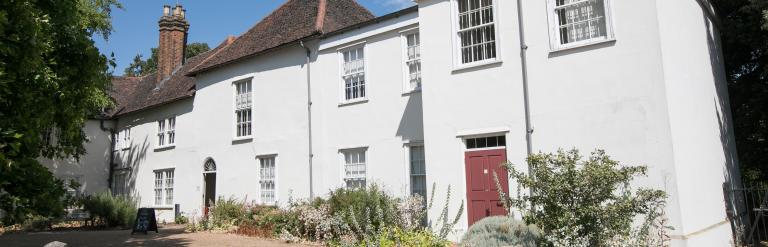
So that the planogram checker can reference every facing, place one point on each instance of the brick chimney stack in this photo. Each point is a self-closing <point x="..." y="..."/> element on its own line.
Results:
<point x="173" y="41"/>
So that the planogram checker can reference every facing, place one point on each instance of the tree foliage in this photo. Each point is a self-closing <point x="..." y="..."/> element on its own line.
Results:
<point x="575" y="200"/>
<point x="51" y="75"/>
<point x="141" y="67"/>
<point x="744" y="35"/>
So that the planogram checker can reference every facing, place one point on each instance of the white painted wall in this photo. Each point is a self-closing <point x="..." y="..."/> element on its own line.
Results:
<point x="386" y="124"/>
<point x="279" y="125"/>
<point x="473" y="101"/>
<point x="701" y="127"/>
<point x="142" y="157"/>
<point x="92" y="167"/>
<point x="619" y="96"/>
<point x="648" y="98"/>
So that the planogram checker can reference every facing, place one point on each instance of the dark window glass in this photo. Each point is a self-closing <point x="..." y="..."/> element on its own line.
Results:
<point x="493" y="142"/>
<point x="481" y="143"/>
<point x="471" y="143"/>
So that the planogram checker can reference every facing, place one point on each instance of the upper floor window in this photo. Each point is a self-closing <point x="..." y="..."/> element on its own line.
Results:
<point x="166" y="132"/>
<point x="353" y="73"/>
<point x="476" y="31"/>
<point x="243" y="105"/>
<point x="267" y="180"/>
<point x="579" y="22"/>
<point x="354" y="168"/>
<point x="413" y="61"/>
<point x="123" y="139"/>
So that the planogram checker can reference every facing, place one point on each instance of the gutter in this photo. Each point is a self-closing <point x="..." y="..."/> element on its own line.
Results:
<point x="309" y="120"/>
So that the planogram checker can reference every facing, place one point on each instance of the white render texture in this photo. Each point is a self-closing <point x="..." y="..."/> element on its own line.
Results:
<point x="654" y="96"/>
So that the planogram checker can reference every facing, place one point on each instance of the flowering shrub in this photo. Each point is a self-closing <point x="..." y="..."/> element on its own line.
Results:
<point x="588" y="202"/>
<point x="360" y="217"/>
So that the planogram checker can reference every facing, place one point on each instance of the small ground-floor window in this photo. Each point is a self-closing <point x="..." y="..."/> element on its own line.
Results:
<point x="164" y="187"/>
<point x="119" y="183"/>
<point x="267" y="180"/>
<point x="418" y="172"/>
<point x="354" y="168"/>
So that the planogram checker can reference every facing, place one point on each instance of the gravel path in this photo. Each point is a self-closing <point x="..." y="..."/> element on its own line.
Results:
<point x="168" y="236"/>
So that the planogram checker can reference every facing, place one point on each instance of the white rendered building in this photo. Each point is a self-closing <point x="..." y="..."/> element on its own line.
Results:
<point x="320" y="95"/>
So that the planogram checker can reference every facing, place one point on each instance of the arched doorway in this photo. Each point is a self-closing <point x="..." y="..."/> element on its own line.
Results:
<point x="209" y="181"/>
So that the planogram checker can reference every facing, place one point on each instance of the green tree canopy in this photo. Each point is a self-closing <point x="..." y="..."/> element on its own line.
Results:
<point x="140" y="67"/>
<point x="744" y="35"/>
<point x="51" y="75"/>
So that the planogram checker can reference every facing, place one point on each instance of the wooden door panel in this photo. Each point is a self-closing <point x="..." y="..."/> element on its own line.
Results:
<point x="482" y="192"/>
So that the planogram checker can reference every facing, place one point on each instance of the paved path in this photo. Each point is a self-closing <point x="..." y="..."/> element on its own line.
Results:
<point x="168" y="236"/>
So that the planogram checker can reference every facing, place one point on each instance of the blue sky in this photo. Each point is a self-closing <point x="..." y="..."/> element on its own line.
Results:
<point x="136" y="31"/>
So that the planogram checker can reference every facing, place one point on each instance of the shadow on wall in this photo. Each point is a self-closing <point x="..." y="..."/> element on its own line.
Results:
<point x="135" y="157"/>
<point x="734" y="202"/>
<point x="411" y="126"/>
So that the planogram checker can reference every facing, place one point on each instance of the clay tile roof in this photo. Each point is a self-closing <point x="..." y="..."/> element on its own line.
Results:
<point x="293" y="21"/>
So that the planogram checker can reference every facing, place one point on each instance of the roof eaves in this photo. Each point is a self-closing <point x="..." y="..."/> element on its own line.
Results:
<point x="379" y="19"/>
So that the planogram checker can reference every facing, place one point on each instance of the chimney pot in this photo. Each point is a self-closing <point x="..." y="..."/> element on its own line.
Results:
<point x="166" y="10"/>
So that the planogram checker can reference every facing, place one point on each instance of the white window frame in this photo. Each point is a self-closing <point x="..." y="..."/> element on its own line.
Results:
<point x="166" y="133"/>
<point x="342" y="75"/>
<point x="247" y="106"/>
<point x="125" y="138"/>
<point x="161" y="133"/>
<point x="263" y="179"/>
<point x="554" y="28"/>
<point x="407" y="88"/>
<point x="344" y="177"/>
<point x="163" y="184"/>
<point x="410" y="160"/>
<point x="119" y="183"/>
<point x="457" y="53"/>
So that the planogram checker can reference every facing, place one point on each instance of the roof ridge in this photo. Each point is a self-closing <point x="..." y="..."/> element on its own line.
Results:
<point x="321" y="10"/>
<point x="223" y="45"/>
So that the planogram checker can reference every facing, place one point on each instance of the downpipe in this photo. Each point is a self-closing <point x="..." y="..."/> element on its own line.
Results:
<point x="111" y="151"/>
<point x="309" y="120"/>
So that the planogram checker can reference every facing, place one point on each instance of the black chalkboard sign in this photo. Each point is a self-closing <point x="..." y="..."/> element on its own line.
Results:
<point x="145" y="221"/>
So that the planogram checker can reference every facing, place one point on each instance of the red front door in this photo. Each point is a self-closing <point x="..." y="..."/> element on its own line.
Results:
<point x="482" y="194"/>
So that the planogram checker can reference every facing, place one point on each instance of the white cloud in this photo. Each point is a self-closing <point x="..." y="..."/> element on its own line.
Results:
<point x="398" y="3"/>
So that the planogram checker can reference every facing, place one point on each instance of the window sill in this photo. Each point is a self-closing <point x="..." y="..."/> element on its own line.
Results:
<point x="166" y="147"/>
<point x="415" y="91"/>
<point x="353" y="102"/>
<point x="581" y="44"/>
<point x="464" y="67"/>
<point x="242" y="139"/>
<point x="163" y="207"/>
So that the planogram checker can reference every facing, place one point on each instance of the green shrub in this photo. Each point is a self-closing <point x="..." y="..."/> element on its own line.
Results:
<point x="226" y="214"/>
<point x="501" y="231"/>
<point x="37" y="223"/>
<point x="582" y="202"/>
<point x="181" y="219"/>
<point x="28" y="189"/>
<point x="396" y="237"/>
<point x="109" y="210"/>
<point x="267" y="221"/>
<point x="366" y="211"/>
